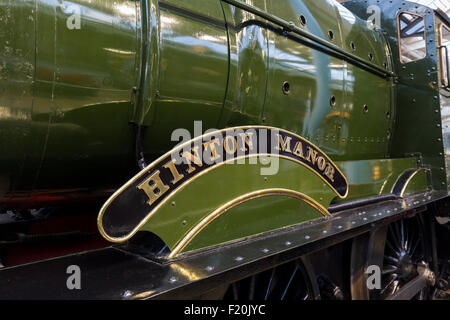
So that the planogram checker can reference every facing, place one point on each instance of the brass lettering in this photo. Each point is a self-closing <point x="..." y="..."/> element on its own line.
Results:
<point x="226" y="145"/>
<point x="246" y="140"/>
<point x="153" y="187"/>
<point x="174" y="171"/>
<point x="212" y="146"/>
<point x="284" y="144"/>
<point x="329" y="172"/>
<point x="312" y="155"/>
<point x="321" y="163"/>
<point x="298" y="150"/>
<point x="192" y="158"/>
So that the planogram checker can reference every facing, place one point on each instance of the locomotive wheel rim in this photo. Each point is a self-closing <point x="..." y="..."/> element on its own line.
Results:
<point x="404" y="250"/>
<point x="292" y="281"/>
<point x="397" y="249"/>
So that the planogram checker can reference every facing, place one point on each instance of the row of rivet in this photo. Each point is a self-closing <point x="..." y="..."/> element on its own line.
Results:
<point x="209" y="268"/>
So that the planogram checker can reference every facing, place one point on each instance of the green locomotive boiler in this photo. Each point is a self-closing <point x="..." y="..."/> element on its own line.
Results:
<point x="224" y="148"/>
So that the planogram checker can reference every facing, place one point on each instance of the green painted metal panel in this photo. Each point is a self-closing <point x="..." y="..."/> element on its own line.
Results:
<point x="186" y="209"/>
<point x="252" y="217"/>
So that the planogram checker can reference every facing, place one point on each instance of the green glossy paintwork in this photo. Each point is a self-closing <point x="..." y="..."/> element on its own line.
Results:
<point x="418" y="183"/>
<point x="221" y="185"/>
<point x="68" y="96"/>
<point x="251" y="218"/>
<point x="206" y="61"/>
<point x="417" y="131"/>
<point x="373" y="177"/>
<point x="181" y="213"/>
<point x="66" y="113"/>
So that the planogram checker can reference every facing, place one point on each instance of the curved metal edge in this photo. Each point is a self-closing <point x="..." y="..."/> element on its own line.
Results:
<point x="182" y="244"/>
<point x="149" y="52"/>
<point x="180" y="147"/>
<point x="405" y="178"/>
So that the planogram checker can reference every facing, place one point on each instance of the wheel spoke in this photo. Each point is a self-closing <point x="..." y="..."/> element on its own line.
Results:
<point x="251" y="295"/>
<point x="395" y="287"/>
<point x="413" y="250"/>
<point x="289" y="282"/>
<point x="392" y="259"/>
<point x="235" y="291"/>
<point x="389" y="270"/>
<point x="394" y="277"/>
<point x="402" y="234"/>
<point x="389" y="244"/>
<point x="394" y="235"/>
<point x="269" y="285"/>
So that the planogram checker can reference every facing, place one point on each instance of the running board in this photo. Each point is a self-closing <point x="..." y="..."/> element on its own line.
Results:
<point x="115" y="273"/>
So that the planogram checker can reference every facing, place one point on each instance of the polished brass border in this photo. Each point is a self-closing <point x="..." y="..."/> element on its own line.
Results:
<point x="145" y="171"/>
<point x="244" y="198"/>
<point x="408" y="180"/>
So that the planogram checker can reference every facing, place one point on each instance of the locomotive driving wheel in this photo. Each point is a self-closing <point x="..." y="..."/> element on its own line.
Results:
<point x="402" y="252"/>
<point x="291" y="281"/>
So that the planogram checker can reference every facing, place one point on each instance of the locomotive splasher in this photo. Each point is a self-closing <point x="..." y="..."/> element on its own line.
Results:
<point x="90" y="88"/>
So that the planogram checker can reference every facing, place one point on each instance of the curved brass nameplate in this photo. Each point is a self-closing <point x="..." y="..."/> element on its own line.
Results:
<point x="130" y="207"/>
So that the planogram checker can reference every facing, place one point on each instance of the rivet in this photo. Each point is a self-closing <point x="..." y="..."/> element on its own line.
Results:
<point x="365" y="219"/>
<point x="324" y="231"/>
<point x="307" y="237"/>
<point x="353" y="222"/>
<point x="302" y="20"/>
<point x="287" y="243"/>
<point x="209" y="268"/>
<point x="333" y="101"/>
<point x="127" y="294"/>
<point x="265" y="250"/>
<point x="339" y="227"/>
<point x="331" y="35"/>
<point x="286" y="87"/>
<point x="239" y="259"/>
<point x="172" y="280"/>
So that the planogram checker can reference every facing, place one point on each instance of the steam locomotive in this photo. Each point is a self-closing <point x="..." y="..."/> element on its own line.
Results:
<point x="224" y="149"/>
